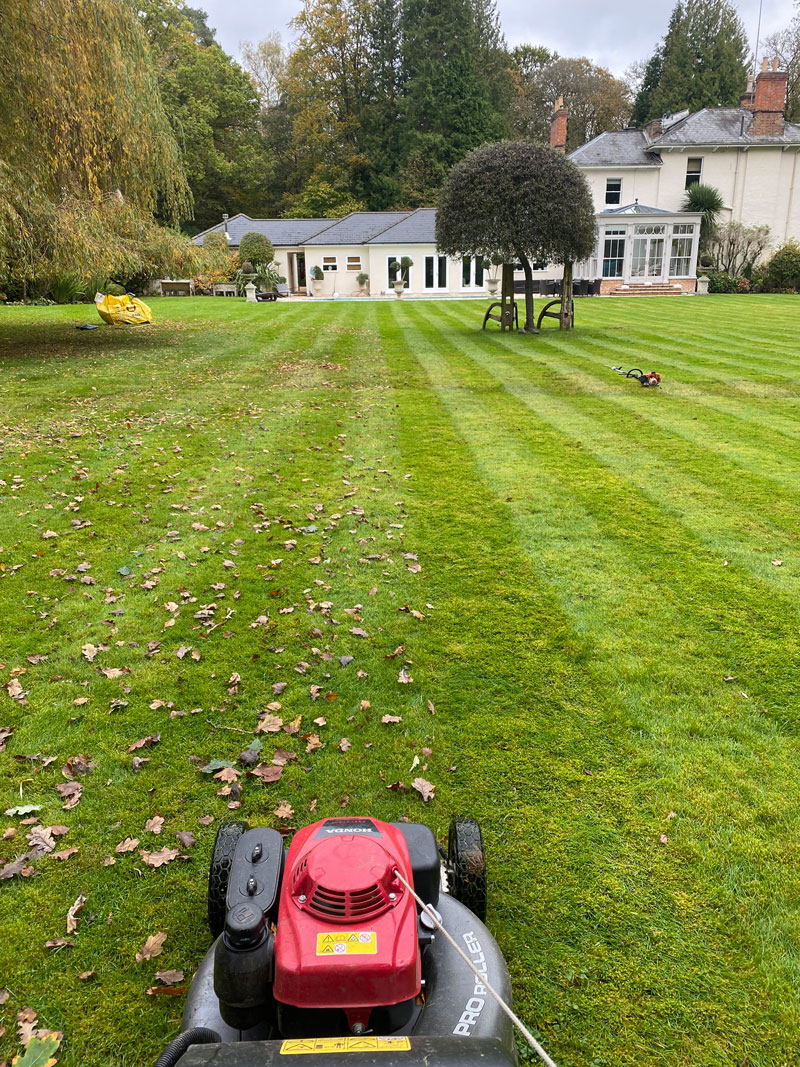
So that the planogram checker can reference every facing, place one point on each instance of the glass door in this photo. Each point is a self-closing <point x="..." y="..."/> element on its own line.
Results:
<point x="647" y="257"/>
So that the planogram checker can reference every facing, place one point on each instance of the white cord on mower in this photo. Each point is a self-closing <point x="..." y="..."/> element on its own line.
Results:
<point x="481" y="977"/>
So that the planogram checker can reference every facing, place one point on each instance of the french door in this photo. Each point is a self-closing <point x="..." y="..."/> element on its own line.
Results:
<point x="647" y="257"/>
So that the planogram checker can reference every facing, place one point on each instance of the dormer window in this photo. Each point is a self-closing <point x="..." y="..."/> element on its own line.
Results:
<point x="694" y="170"/>
<point x="613" y="191"/>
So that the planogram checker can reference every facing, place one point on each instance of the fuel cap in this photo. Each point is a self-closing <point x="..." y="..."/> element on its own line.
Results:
<point x="245" y="926"/>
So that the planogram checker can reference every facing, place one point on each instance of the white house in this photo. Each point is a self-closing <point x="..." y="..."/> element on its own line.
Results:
<point x="748" y="153"/>
<point x="364" y="241"/>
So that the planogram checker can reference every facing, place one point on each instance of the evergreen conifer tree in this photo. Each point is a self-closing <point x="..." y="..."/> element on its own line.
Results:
<point x="701" y="61"/>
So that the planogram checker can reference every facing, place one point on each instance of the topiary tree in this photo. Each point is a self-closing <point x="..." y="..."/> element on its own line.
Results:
<point x="256" y="248"/>
<point x="518" y="201"/>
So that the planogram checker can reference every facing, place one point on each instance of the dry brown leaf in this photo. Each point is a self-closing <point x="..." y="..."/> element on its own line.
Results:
<point x="425" y="789"/>
<point x="284" y="810"/>
<point x="269" y="724"/>
<point x="64" y="854"/>
<point x="128" y="845"/>
<point x="159" y="859"/>
<point x="154" y="825"/>
<point x="145" y="742"/>
<point x="169" y="977"/>
<point x="70" y="793"/>
<point x="404" y="678"/>
<point x="344" y="744"/>
<point x="391" y="718"/>
<point x="152" y="947"/>
<point x="72" y="914"/>
<point x="266" y="773"/>
<point x="186" y="838"/>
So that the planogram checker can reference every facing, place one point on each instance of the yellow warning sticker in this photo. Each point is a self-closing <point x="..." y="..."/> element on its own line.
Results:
<point x="347" y="943"/>
<point x="308" y="1045"/>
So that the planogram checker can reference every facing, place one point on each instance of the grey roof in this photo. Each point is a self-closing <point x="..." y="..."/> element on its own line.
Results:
<point x="721" y="125"/>
<point x="620" y="148"/>
<point x="637" y="209"/>
<point x="284" y="233"/>
<point x="418" y="228"/>
<point x="357" y="228"/>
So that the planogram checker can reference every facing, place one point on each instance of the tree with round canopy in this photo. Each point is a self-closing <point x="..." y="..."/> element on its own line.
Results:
<point x="522" y="202"/>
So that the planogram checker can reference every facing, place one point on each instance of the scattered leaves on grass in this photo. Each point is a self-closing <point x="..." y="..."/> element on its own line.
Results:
<point x="78" y="765"/>
<point x="152" y="947"/>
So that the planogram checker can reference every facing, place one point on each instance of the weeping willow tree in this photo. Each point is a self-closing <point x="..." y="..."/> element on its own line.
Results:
<point x="82" y="128"/>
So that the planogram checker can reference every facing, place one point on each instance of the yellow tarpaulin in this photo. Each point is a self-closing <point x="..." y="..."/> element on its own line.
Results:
<point x="123" y="310"/>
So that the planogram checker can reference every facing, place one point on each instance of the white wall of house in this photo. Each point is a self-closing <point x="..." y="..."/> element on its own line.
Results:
<point x="341" y="265"/>
<point x="758" y="184"/>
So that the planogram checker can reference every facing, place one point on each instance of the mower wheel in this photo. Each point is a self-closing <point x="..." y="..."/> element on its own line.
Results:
<point x="466" y="865"/>
<point x="221" y="861"/>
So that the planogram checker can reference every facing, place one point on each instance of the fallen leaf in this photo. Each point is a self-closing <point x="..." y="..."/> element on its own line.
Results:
<point x="40" y="1051"/>
<point x="154" y="825"/>
<point x="145" y="742"/>
<point x="72" y="914"/>
<point x="152" y="947"/>
<point x="188" y="840"/>
<point x="128" y="845"/>
<point x="71" y="793"/>
<point x="159" y="859"/>
<point x="84" y="976"/>
<point x="169" y="977"/>
<point x="167" y="990"/>
<point x="425" y="789"/>
<point x="284" y="810"/>
<point x="89" y="652"/>
<point x="64" y="854"/>
<point x="344" y="744"/>
<point x="404" y="678"/>
<point x="115" y="672"/>
<point x="391" y="718"/>
<point x="266" y="772"/>
<point x="60" y="942"/>
<point x="269" y="724"/>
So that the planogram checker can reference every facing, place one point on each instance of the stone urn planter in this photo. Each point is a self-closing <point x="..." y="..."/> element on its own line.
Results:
<point x="492" y="285"/>
<point x="399" y="287"/>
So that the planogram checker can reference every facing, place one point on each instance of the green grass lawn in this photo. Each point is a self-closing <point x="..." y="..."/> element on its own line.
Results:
<point x="603" y="636"/>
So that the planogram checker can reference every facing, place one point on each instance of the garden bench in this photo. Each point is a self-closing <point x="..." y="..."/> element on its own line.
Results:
<point x="223" y="289"/>
<point x="180" y="287"/>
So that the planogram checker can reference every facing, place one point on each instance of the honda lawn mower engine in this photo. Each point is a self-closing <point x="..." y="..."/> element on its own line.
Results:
<point x="347" y="927"/>
<point x="345" y="955"/>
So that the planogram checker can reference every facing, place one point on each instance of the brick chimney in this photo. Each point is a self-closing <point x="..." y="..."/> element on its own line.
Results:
<point x="558" y="127"/>
<point x="769" y="100"/>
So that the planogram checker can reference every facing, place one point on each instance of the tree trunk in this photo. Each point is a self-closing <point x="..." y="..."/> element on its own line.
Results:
<point x="507" y="298"/>
<point x="567" y="317"/>
<point x="529" y="326"/>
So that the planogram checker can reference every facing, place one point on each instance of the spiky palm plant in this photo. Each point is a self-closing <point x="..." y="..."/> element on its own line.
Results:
<point x="708" y="201"/>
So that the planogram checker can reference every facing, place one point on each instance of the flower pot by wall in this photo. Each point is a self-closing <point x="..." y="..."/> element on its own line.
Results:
<point x="316" y="286"/>
<point x="399" y="288"/>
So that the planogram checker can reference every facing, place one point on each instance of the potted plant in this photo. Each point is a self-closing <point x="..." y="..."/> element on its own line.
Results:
<point x="316" y="280"/>
<point x="397" y="269"/>
<point x="493" y="281"/>
<point x="362" y="280"/>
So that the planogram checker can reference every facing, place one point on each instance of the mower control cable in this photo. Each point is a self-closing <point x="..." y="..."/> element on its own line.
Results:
<point x="540" y="1052"/>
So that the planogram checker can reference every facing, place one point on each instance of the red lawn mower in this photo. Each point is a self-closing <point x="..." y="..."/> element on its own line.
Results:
<point x="322" y="949"/>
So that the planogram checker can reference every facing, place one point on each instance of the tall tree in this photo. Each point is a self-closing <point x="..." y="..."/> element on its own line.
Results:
<point x="84" y="140"/>
<point x="447" y="108"/>
<point x="214" y="109"/>
<point x="595" y="99"/>
<point x="265" y="62"/>
<point x="702" y="61"/>
<point x="327" y="84"/>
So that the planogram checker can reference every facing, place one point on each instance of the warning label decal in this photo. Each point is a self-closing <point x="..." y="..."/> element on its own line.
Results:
<point x="308" y="1045"/>
<point x="347" y="943"/>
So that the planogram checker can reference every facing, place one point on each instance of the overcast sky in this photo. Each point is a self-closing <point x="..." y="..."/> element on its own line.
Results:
<point x="613" y="34"/>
